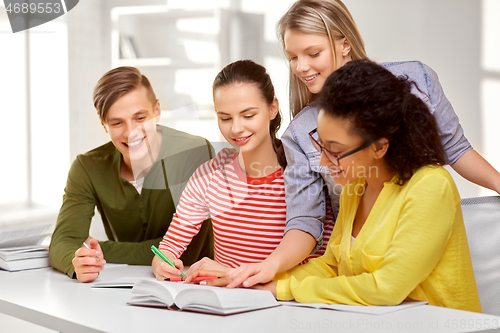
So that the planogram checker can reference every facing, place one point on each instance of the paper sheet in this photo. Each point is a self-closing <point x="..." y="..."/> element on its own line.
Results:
<point x="25" y="236"/>
<point x="372" y="309"/>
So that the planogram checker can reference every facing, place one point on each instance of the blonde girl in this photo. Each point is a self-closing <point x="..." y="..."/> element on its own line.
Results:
<point x="318" y="37"/>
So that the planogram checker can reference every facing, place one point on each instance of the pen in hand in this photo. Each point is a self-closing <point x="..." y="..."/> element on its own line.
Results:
<point x="88" y="247"/>
<point x="164" y="258"/>
<point x="196" y="279"/>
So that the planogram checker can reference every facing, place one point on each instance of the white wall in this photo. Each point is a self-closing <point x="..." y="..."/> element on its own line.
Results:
<point x="88" y="59"/>
<point x="448" y="35"/>
<point x="454" y="37"/>
<point x="35" y="149"/>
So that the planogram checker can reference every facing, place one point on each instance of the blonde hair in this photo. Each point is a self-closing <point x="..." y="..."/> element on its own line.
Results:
<point x="329" y="18"/>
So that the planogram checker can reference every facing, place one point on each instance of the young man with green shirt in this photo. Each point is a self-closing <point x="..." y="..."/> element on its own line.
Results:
<point x="135" y="181"/>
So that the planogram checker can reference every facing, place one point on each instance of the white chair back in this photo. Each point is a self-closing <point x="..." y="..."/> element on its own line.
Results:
<point x="482" y="223"/>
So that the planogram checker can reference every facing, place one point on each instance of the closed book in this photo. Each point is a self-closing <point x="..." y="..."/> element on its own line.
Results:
<point x="22" y="264"/>
<point x="198" y="298"/>
<point x="24" y="252"/>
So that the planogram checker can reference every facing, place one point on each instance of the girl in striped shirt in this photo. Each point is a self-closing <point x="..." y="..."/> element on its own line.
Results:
<point x="242" y="191"/>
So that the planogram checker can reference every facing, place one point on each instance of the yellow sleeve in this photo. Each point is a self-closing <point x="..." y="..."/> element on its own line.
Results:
<point x="325" y="266"/>
<point x="420" y="238"/>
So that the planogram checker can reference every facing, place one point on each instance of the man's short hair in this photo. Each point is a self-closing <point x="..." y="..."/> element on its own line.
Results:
<point x="117" y="83"/>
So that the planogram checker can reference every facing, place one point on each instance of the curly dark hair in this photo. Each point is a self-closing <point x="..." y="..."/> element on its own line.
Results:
<point x="381" y="105"/>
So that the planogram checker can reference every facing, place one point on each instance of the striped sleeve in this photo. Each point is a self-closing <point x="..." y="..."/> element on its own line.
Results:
<point x="192" y="209"/>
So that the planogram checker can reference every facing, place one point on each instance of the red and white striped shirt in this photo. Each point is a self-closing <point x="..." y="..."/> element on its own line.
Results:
<point x="248" y="214"/>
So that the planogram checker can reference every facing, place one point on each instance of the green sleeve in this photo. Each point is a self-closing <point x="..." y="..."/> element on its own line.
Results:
<point x="73" y="221"/>
<point x="177" y="168"/>
<point x="92" y="182"/>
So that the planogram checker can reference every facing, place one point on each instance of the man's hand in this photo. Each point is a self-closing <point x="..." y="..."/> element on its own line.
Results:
<point x="88" y="262"/>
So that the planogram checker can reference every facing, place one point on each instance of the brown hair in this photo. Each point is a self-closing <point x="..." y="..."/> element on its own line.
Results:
<point x="329" y="18"/>
<point x="247" y="71"/>
<point x="117" y="83"/>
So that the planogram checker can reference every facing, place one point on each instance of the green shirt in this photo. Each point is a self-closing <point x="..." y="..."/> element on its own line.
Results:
<point x="132" y="221"/>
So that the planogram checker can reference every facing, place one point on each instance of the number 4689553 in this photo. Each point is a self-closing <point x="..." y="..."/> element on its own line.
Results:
<point x="33" y="8"/>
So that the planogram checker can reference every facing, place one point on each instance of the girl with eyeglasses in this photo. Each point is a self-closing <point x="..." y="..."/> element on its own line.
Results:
<point x="319" y="37"/>
<point x="399" y="234"/>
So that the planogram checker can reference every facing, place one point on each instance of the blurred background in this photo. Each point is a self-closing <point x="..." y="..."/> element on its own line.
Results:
<point x="48" y="74"/>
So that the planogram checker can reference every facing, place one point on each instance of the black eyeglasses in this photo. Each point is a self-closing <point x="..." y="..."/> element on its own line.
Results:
<point x="334" y="158"/>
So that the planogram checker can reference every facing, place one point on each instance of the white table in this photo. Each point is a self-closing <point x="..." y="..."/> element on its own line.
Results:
<point x="48" y="298"/>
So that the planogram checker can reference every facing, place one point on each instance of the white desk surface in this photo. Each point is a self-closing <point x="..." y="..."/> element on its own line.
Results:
<point x="51" y="299"/>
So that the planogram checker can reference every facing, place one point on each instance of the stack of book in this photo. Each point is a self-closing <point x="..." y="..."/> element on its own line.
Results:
<point x="22" y="248"/>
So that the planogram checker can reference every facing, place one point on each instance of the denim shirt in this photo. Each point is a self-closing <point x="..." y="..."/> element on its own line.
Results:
<point x="306" y="180"/>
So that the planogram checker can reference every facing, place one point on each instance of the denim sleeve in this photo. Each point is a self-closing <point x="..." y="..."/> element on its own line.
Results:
<point x="450" y="131"/>
<point x="304" y="195"/>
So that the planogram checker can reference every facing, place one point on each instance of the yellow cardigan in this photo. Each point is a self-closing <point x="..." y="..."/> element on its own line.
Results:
<point x="412" y="246"/>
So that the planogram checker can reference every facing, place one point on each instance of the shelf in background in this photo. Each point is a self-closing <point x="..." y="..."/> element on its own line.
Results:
<point x="162" y="62"/>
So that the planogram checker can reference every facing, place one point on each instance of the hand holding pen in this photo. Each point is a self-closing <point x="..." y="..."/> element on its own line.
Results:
<point x="88" y="261"/>
<point x="209" y="278"/>
<point x="165" y="265"/>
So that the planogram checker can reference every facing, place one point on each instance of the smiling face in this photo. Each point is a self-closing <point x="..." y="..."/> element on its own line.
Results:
<point x="131" y="125"/>
<point x="337" y="135"/>
<point x="311" y="57"/>
<point x="244" y="116"/>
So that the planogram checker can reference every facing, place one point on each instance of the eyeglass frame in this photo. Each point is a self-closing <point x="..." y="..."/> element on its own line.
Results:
<point x="327" y="152"/>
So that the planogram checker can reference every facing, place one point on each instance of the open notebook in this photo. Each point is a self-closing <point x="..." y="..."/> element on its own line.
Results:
<point x="372" y="309"/>
<point x="205" y="299"/>
<point x="120" y="283"/>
